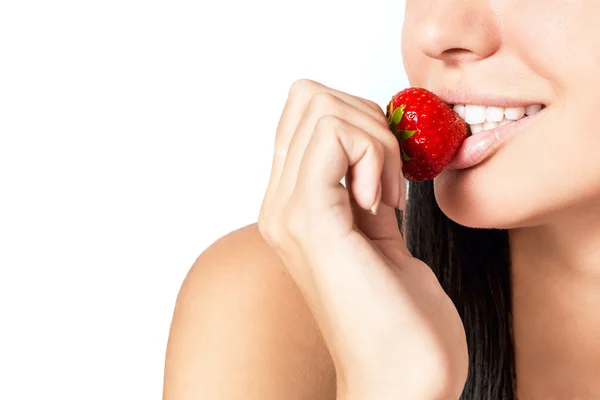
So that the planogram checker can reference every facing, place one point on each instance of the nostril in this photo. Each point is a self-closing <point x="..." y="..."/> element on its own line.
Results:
<point x="456" y="50"/>
<point x="458" y="54"/>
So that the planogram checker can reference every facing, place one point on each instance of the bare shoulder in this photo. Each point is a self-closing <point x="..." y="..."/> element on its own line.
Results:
<point x="241" y="329"/>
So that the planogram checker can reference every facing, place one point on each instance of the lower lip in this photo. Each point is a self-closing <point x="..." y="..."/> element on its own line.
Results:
<point x="482" y="145"/>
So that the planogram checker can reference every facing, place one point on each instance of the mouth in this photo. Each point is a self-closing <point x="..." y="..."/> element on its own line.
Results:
<point x="490" y="126"/>
<point x="484" y="118"/>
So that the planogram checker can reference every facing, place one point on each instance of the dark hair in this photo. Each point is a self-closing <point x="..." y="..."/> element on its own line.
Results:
<point x="473" y="267"/>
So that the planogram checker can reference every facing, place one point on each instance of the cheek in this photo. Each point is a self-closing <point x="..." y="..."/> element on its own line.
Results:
<point x="559" y="40"/>
<point x="411" y="61"/>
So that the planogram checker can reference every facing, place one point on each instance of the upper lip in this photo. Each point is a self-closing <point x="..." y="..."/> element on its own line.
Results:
<point x="465" y="96"/>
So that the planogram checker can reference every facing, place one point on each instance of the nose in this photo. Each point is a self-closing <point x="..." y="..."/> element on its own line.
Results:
<point x="457" y="30"/>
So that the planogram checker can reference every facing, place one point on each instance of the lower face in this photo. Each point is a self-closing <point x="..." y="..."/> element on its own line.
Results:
<point x="538" y="172"/>
<point x="550" y="164"/>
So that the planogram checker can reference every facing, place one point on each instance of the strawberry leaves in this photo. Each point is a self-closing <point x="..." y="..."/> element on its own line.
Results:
<point x="394" y="118"/>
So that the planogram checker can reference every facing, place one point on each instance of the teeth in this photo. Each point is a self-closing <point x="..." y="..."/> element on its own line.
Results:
<point x="530" y="110"/>
<point x="514" y="113"/>
<point x="476" y="128"/>
<point x="460" y="110"/>
<point x="482" y="118"/>
<point x="474" y="114"/>
<point x="489" y="125"/>
<point x="494" y="114"/>
<point x="504" y="122"/>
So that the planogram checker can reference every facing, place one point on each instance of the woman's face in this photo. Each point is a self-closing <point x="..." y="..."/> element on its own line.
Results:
<point x="515" y="52"/>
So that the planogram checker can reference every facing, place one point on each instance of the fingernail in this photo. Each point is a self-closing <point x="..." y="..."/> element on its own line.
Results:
<point x="377" y="201"/>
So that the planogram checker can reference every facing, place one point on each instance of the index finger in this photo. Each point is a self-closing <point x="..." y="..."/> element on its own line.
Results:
<point x="300" y="95"/>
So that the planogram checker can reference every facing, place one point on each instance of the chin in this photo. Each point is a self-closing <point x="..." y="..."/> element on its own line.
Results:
<point x="484" y="197"/>
<point x="468" y="198"/>
<point x="515" y="188"/>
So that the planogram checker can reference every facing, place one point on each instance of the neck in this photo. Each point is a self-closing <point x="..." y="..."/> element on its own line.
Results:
<point x="556" y="307"/>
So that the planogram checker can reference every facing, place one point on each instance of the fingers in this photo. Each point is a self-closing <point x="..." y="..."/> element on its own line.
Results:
<point x="335" y="147"/>
<point x="323" y="135"/>
<point x="380" y="227"/>
<point x="300" y="96"/>
<point x="326" y="104"/>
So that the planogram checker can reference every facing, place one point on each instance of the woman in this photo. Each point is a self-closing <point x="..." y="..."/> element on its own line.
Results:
<point x="322" y="298"/>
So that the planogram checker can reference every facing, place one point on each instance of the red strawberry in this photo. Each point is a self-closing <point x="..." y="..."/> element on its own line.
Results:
<point x="429" y="132"/>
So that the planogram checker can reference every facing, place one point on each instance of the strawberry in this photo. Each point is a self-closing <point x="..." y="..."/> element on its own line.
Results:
<point x="428" y="130"/>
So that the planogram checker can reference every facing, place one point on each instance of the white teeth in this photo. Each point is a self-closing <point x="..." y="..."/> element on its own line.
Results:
<point x="489" y="125"/>
<point x="476" y="128"/>
<point x="474" y="114"/>
<point x="494" y="114"/>
<point x="482" y="118"/>
<point x="504" y="122"/>
<point x="530" y="110"/>
<point x="460" y="110"/>
<point x="514" y="113"/>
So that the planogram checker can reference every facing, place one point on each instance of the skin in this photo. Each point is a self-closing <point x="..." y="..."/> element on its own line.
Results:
<point x="388" y="326"/>
<point x="243" y="329"/>
<point x="543" y="184"/>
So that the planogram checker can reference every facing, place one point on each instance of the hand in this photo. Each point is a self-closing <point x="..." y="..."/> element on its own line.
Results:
<point x="389" y="326"/>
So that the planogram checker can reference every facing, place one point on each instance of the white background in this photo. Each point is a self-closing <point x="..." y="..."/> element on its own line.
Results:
<point x="132" y="135"/>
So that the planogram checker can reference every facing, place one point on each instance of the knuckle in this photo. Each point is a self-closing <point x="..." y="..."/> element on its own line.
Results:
<point x="374" y="106"/>
<point x="271" y="231"/>
<point x="379" y="147"/>
<point x="375" y="146"/>
<point x="324" y="103"/>
<point x="385" y="137"/>
<point x="301" y="88"/>
<point x="376" y="111"/>
<point x="268" y="227"/>
<point x="381" y="118"/>
<point x="277" y="222"/>
<point x="389" y="139"/>
<point x="328" y="124"/>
